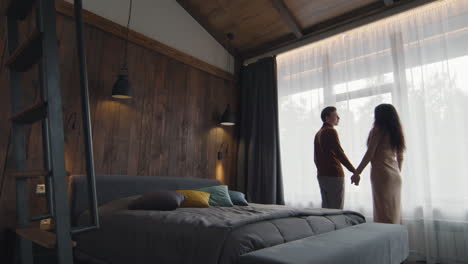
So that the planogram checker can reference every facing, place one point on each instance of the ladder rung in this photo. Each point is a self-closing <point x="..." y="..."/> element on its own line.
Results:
<point x="27" y="54"/>
<point x="41" y="237"/>
<point x="77" y="230"/>
<point x="32" y="114"/>
<point x="29" y="174"/>
<point x="20" y="9"/>
<point x="41" y="217"/>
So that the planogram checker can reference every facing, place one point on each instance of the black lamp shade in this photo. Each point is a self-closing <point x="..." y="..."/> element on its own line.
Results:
<point x="228" y="118"/>
<point x="122" y="88"/>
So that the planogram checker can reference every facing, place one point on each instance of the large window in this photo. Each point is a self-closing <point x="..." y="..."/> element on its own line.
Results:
<point x="417" y="61"/>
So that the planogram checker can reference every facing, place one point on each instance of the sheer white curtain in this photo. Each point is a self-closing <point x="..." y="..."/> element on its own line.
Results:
<point x="417" y="61"/>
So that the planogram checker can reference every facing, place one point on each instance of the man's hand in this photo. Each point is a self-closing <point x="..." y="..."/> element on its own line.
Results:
<point x="355" y="179"/>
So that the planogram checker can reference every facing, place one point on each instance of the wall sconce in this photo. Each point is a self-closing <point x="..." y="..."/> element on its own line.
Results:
<point x="220" y="151"/>
<point x="228" y="118"/>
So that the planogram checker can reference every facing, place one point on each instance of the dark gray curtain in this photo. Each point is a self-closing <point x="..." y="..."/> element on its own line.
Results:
<point x="259" y="168"/>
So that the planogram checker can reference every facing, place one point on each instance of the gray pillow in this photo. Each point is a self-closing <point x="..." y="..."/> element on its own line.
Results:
<point x="161" y="201"/>
<point x="238" y="198"/>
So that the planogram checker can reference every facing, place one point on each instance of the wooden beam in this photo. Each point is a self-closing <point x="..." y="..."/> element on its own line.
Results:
<point x="316" y="29"/>
<point x="346" y="18"/>
<point x="29" y="174"/>
<point x="108" y="26"/>
<point x="279" y="42"/>
<point x="269" y="46"/>
<point x="203" y="21"/>
<point x="288" y="17"/>
<point x="356" y="17"/>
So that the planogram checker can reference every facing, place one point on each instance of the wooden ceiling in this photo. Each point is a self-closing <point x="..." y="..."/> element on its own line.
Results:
<point x="262" y="25"/>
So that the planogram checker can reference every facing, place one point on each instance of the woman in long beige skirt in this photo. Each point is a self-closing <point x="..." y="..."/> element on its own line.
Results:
<point x="385" y="148"/>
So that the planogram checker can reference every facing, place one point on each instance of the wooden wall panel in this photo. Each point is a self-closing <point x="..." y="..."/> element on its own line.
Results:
<point x="163" y="129"/>
<point x="169" y="128"/>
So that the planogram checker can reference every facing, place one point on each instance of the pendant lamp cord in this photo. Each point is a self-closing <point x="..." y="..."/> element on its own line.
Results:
<point x="126" y="39"/>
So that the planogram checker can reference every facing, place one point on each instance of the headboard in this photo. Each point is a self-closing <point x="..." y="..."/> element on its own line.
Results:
<point x="112" y="187"/>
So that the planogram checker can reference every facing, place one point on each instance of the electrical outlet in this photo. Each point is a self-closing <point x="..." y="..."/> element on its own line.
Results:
<point x="40" y="189"/>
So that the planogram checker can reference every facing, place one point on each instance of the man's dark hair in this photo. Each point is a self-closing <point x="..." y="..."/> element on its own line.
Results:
<point x="326" y="112"/>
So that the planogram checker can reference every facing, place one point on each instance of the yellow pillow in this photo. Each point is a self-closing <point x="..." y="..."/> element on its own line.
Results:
<point x="195" y="199"/>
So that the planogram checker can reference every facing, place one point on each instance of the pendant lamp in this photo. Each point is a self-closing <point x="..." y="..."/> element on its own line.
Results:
<point x="123" y="88"/>
<point x="228" y="118"/>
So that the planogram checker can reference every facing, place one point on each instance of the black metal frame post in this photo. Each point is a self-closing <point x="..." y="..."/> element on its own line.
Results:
<point x="51" y="76"/>
<point x="19" y="146"/>
<point x="86" y="118"/>
<point x="45" y="136"/>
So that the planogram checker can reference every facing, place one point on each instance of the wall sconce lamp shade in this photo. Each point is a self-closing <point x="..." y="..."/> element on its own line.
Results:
<point x="228" y="118"/>
<point x="122" y="88"/>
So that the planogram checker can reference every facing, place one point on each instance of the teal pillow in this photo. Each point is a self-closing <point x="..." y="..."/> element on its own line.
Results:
<point x="219" y="195"/>
<point x="238" y="198"/>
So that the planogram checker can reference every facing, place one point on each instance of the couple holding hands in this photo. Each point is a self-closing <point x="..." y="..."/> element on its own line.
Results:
<point x="385" y="148"/>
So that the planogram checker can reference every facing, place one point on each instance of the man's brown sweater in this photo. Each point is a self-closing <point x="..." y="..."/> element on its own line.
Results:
<point x="328" y="153"/>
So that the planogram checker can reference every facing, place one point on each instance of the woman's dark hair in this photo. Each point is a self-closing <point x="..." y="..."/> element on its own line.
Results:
<point x="387" y="119"/>
<point x="326" y="112"/>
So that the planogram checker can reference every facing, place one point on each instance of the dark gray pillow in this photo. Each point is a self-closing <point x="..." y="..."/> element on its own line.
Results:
<point x="161" y="201"/>
<point x="238" y="198"/>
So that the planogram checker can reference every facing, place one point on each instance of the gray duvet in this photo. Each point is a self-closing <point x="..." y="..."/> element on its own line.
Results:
<point x="201" y="235"/>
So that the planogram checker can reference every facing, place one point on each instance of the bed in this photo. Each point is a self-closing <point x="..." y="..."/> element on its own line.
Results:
<point x="188" y="235"/>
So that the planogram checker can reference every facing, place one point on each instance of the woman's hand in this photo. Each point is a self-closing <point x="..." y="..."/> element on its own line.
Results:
<point x="355" y="179"/>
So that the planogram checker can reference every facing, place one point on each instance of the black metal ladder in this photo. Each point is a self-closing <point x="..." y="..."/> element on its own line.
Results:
<point x="41" y="48"/>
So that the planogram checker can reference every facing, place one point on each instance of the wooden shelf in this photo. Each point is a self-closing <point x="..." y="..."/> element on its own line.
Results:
<point x="27" y="54"/>
<point x="32" y="114"/>
<point x="43" y="238"/>
<point x="29" y="174"/>
<point x="20" y="9"/>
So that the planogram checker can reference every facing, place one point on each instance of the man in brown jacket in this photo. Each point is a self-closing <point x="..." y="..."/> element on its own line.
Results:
<point x="328" y="158"/>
